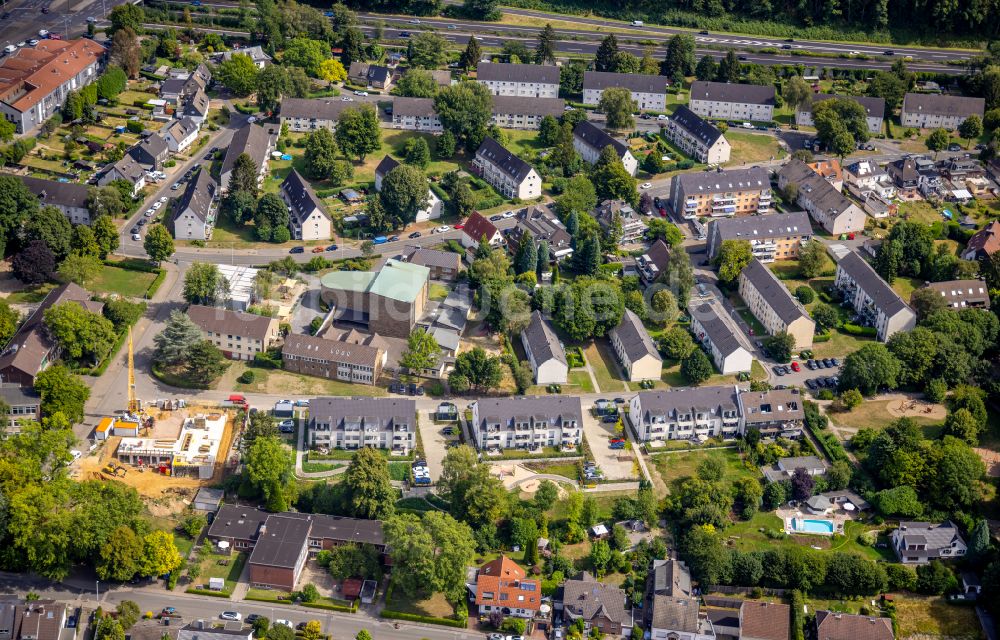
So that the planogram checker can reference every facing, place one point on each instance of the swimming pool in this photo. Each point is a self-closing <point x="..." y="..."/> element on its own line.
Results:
<point x="824" y="527"/>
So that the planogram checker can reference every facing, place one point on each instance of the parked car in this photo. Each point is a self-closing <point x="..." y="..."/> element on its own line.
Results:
<point x="318" y="250"/>
<point x="779" y="371"/>
<point x="415" y="234"/>
<point x="811" y="383"/>
<point x="253" y="617"/>
<point x="287" y="623"/>
<point x="496" y="218"/>
<point x="796" y="367"/>
<point x="136" y="237"/>
<point x="379" y="240"/>
<point x="286" y="426"/>
<point x="297" y="250"/>
<point x="835" y="362"/>
<point x="332" y="247"/>
<point x="231" y="615"/>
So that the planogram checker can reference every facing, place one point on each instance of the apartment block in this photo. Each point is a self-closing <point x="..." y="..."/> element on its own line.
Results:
<point x="610" y="212"/>
<point x="194" y="212"/>
<point x="545" y="353"/>
<point x="725" y="101"/>
<point x="508" y="174"/>
<point x="253" y="140"/>
<point x="719" y="340"/>
<point x="771" y="237"/>
<point x="510" y="112"/>
<point x="526" y="422"/>
<point x="635" y="350"/>
<point x="589" y="141"/>
<point x="307" y="217"/>
<point x="415" y="114"/>
<point x="774" y="306"/>
<point x="834" y="211"/>
<point x="305" y="115"/>
<point x="648" y="91"/>
<point x="719" y="194"/>
<point x="240" y="336"/>
<point x="685" y="413"/>
<point x="350" y="357"/>
<point x="697" y="137"/>
<point x="937" y="111"/>
<point x="352" y="423"/>
<point x="68" y="197"/>
<point x="523" y="80"/>
<point x="873" y="300"/>
<point x="874" y="110"/>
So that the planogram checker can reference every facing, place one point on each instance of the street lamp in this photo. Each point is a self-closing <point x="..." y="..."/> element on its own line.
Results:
<point x="97" y="588"/>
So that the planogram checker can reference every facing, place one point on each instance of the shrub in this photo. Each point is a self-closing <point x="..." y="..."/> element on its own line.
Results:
<point x="246" y="377"/>
<point x="805" y="294"/>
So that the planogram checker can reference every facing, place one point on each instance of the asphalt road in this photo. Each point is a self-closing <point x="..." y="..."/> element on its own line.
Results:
<point x="67" y="17"/>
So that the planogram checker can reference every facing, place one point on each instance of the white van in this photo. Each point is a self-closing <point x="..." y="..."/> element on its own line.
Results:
<point x="637" y="23"/>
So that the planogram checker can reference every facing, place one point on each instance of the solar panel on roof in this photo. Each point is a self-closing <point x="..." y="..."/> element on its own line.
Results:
<point x="528" y="586"/>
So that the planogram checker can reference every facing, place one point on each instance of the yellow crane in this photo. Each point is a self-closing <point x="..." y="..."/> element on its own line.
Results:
<point x="133" y="402"/>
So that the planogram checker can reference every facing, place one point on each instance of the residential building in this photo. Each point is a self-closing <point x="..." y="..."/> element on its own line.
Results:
<point x="305" y="114"/>
<point x="827" y="206"/>
<point x="830" y="171"/>
<point x="214" y="630"/>
<point x="612" y="212"/>
<point x="22" y="404"/>
<point x="522" y="80"/>
<point x="984" y="243"/>
<point x="873" y="300"/>
<point x="541" y="224"/>
<point x="368" y="75"/>
<point x="785" y="468"/>
<point x="415" y="114"/>
<point x="180" y="134"/>
<point x="773" y="413"/>
<point x="599" y="605"/>
<point x="906" y="176"/>
<point x="126" y="169"/>
<point x="501" y="585"/>
<point x="545" y="352"/>
<point x="181" y="84"/>
<point x="825" y="503"/>
<point x="478" y="227"/>
<point x="670" y="577"/>
<point x="196" y="107"/>
<point x="443" y="265"/>
<point x="308" y="218"/>
<point x="70" y="198"/>
<point x="508" y="174"/>
<point x="685" y="413"/>
<point x="963" y="294"/>
<point x="874" y="110"/>
<point x="351" y="423"/>
<point x="676" y="618"/>
<point x="765" y="621"/>
<point x="589" y="141"/>
<point x="938" y="111"/>
<point x="256" y="54"/>
<point x="833" y="625"/>
<point x="648" y="91"/>
<point x="921" y="542"/>
<point x="719" y="194"/>
<point x="774" y="306"/>
<point x="718" y="338"/>
<point x="351" y="357"/>
<point x="385" y="165"/>
<point x="31" y="619"/>
<point x="526" y="422"/>
<point x="253" y="140"/>
<point x="652" y="264"/>
<point x="772" y="237"/>
<point x="34" y="81"/>
<point x="635" y="349"/>
<point x="697" y="137"/>
<point x="194" y="212"/>
<point x="389" y="301"/>
<point x="151" y="152"/>
<point x="240" y="336"/>
<point x="724" y="101"/>
<point x="519" y="112"/>
<point x="865" y="176"/>
<point x="32" y="349"/>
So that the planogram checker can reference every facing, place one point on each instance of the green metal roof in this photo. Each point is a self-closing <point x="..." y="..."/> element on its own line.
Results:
<point x="348" y="280"/>
<point x="400" y="280"/>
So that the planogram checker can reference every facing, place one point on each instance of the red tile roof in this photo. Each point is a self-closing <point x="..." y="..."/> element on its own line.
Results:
<point x="477" y="226"/>
<point x="29" y="75"/>
<point x="986" y="240"/>
<point x="502" y="583"/>
<point x="765" y="621"/>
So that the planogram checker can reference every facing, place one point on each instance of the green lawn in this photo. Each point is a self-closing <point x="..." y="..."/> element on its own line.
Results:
<point x="905" y="286"/>
<point x="437" y="292"/>
<point x="435" y="605"/>
<point x="674" y="466"/>
<point x="934" y="617"/>
<point x="310" y="466"/>
<point x="399" y="470"/>
<point x="579" y="382"/>
<point x="124" y="282"/>
<point x="565" y="469"/>
<point x="752" y="147"/>
<point x="874" y="414"/>
<point x="602" y="361"/>
<point x="920" y="211"/>
<point x="750" y="535"/>
<point x="221" y="566"/>
<point x="522" y="141"/>
<point x="285" y="382"/>
<point x="31" y="295"/>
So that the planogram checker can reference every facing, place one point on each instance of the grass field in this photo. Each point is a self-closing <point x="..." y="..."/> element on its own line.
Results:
<point x="905" y="286"/>
<point x="920" y="211"/>
<point x="286" y="382"/>
<point x="602" y="361"/>
<point x="565" y="469"/>
<point x="674" y="466"/>
<point x="580" y="382"/>
<point x="874" y="414"/>
<point x="434" y="605"/>
<point x="122" y="281"/>
<point x="749" y="535"/>
<point x="752" y="147"/>
<point x="31" y="295"/>
<point x="929" y="617"/>
<point x="221" y="566"/>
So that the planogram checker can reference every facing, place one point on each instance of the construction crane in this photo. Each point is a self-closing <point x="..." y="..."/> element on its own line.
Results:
<point x="133" y="402"/>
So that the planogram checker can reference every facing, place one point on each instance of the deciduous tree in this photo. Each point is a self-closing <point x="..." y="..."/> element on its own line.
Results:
<point x="358" y="132"/>
<point x="618" y="107"/>
<point x="370" y="494"/>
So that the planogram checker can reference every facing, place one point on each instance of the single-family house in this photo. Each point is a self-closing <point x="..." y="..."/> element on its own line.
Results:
<point x="635" y="350"/>
<point x="545" y="352"/>
<point x="308" y="218"/>
<point x="921" y="542"/>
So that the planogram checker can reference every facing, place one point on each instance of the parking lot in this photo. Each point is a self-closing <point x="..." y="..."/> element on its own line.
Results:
<point x="617" y="464"/>
<point x="799" y="378"/>
<point x="435" y="441"/>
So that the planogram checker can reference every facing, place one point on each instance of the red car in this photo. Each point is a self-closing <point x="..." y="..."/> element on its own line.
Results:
<point x="317" y="250"/>
<point x="796" y="367"/>
<point x="459" y="226"/>
<point x="663" y="212"/>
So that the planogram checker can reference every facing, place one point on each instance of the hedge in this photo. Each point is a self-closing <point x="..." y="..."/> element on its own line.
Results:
<point x="353" y="608"/>
<point x="821" y="337"/>
<point x="856" y="330"/>
<point x="154" y="286"/>
<point x="207" y="592"/>
<point x="412" y="617"/>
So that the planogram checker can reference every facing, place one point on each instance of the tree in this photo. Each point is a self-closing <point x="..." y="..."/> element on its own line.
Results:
<point x="9" y="319"/>
<point x="417" y="153"/>
<point x="733" y="256"/>
<point x="465" y="110"/>
<point x="526" y="258"/>
<point x="81" y="334"/>
<point x="204" y="362"/>
<point x="851" y="398"/>
<point x="128" y="614"/>
<point x="427" y="50"/>
<point x="125" y="52"/>
<point x="679" y="59"/>
<point x="270" y="217"/>
<point x="780" y="346"/>
<point x="127" y="17"/>
<point x="805" y="294"/>
<point x="934" y="578"/>
<point x="159" y="554"/>
<point x="422" y="351"/>
<point x="481" y="370"/>
<point x="404" y="192"/>
<point x="354" y="560"/>
<point x="308" y="54"/>
<point x="618" y="106"/>
<point x="244" y="175"/>
<point x="979" y="541"/>
<point x="159" y="244"/>
<point x="696" y="367"/>
<point x="841" y="124"/>
<point x="901" y="502"/>
<point x="430" y="553"/>
<point x="268" y="468"/>
<point x="106" y="234"/>
<point x="17" y="204"/>
<point x="320" y="154"/>
<point x="611" y="180"/>
<point x="546" y="495"/>
<point x="471" y="56"/>
<point x="707" y="68"/>
<point x="971" y="127"/>
<point x="444" y="148"/>
<point x="775" y="495"/>
<point x="204" y="284"/>
<point x="796" y="91"/>
<point x="889" y="87"/>
<point x="600" y="555"/>
<point x="84" y="242"/>
<point x="802" y="484"/>
<point x="729" y="69"/>
<point x="870" y="369"/>
<point x="120" y="556"/>
<point x="955" y="477"/>
<point x="604" y="58"/>
<point x="352" y="45"/>
<point x="416" y="83"/>
<point x="50" y="226"/>
<point x="172" y="345"/>
<point x="239" y="205"/>
<point x="358" y="132"/>
<point x="238" y="74"/>
<point x="545" y="52"/>
<point x="813" y="259"/>
<point x="272" y="84"/>
<point x="826" y="317"/>
<point x="463" y="200"/>
<point x="34" y="264"/>
<point x="80" y="269"/>
<point x="332" y="70"/>
<point x="62" y="392"/>
<point x="369" y="490"/>
<point x="937" y="141"/>
<point x="193" y="525"/>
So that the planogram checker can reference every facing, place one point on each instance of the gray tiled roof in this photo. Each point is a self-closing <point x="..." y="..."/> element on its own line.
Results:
<point x="774" y="293"/>
<point x="822" y="194"/>
<point x="597" y="138"/>
<point x="942" y="105"/>
<point x="182" y="128"/>
<point x="504" y="72"/>
<point x="763" y="227"/>
<point x="874" y="107"/>
<point x="675" y="614"/>
<point x="198" y="196"/>
<point x="753" y="178"/>
<point x="250" y="139"/>
<point x="542" y="224"/>
<point x="385" y="165"/>
<point x="130" y="168"/>
<point x="528" y="106"/>
<point x="671" y="578"/>
<point x="327" y="350"/>
<point x="381" y="411"/>
<point x="718" y="331"/>
<point x="556" y="410"/>
<point x="637" y="82"/>
<point x="695" y="125"/>
<point x="935" y="536"/>
<point x="418" y="107"/>
<point x="224" y="321"/>
<point x="281" y="542"/>
<point x="238" y="522"/>
<point x="887" y="300"/>
<point x="503" y="159"/>
<point x="154" y="147"/>
<point x="714" y="400"/>
<point x="436" y="258"/>
<point x="197" y="105"/>
<point x="303" y="199"/>
<point x="319" y="108"/>
<point x="738" y="93"/>
<point x="584" y="597"/>
<point x="51" y="192"/>
<point x="761" y="407"/>
<point x="542" y="340"/>
<point x="634" y="337"/>
<point x="955" y="292"/>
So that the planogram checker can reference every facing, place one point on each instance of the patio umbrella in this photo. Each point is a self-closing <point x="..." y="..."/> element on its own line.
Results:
<point x="848" y="506"/>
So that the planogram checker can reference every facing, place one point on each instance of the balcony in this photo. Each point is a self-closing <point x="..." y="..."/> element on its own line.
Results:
<point x="690" y="205"/>
<point x="723" y="200"/>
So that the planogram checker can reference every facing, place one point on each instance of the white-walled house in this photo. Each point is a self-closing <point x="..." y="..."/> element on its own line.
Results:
<point x="194" y="212"/>
<point x="545" y="352"/>
<point x="508" y="174"/>
<point x="308" y="218"/>
<point x="589" y="141"/>
<point x="180" y="134"/>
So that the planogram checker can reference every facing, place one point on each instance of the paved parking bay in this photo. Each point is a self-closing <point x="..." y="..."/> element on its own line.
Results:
<point x="434" y="441"/>
<point x="617" y="464"/>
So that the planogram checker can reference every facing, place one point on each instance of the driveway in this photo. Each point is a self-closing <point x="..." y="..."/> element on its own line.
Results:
<point x="616" y="464"/>
<point x="435" y="443"/>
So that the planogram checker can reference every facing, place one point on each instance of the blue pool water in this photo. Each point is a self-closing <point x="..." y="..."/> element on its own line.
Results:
<point x="813" y="526"/>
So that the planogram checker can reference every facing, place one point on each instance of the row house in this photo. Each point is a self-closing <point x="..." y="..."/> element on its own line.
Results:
<point x="522" y="80"/>
<point x="719" y="194"/>
<point x="771" y="237"/>
<point x="303" y="115"/>
<point x="873" y="300"/>
<point x="352" y="423"/>
<point x="508" y="174"/>
<point x="874" y="110"/>
<point x="827" y="206"/>
<point x="181" y="134"/>
<point x="938" y="111"/>
<point x="697" y="137"/>
<point x="544" y="351"/>
<point x="415" y="114"/>
<point x="521" y="112"/>
<point x="526" y="422"/>
<point x="634" y="348"/>
<point x="649" y="91"/>
<point x="774" y="306"/>
<point x="725" y="101"/>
